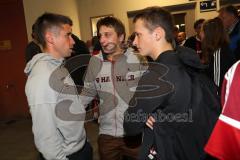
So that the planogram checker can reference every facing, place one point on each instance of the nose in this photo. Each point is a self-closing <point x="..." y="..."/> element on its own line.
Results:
<point x="135" y="41"/>
<point x="72" y="42"/>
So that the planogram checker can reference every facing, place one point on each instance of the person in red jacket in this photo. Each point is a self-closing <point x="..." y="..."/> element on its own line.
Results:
<point x="224" y="143"/>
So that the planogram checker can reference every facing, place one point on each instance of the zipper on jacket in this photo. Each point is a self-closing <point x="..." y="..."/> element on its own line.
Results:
<point x="114" y="93"/>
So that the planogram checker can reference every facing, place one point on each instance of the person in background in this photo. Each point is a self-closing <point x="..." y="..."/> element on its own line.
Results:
<point x="181" y="38"/>
<point x="81" y="52"/>
<point x="175" y="34"/>
<point x="130" y="42"/>
<point x="231" y="22"/>
<point x="194" y="42"/>
<point x="33" y="47"/>
<point x="216" y="52"/>
<point x="58" y="134"/>
<point x="89" y="45"/>
<point x="79" y="48"/>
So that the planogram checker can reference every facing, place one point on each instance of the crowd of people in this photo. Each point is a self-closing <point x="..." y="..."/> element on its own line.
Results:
<point x="160" y="95"/>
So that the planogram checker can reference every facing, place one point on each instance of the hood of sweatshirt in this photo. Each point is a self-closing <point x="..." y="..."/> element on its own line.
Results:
<point x="189" y="57"/>
<point x="41" y="57"/>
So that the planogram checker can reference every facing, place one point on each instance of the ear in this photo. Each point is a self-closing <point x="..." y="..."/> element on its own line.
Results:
<point x="121" y="38"/>
<point x="159" y="33"/>
<point x="49" y="37"/>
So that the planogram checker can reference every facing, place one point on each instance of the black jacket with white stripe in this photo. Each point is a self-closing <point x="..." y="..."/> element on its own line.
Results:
<point x="219" y="64"/>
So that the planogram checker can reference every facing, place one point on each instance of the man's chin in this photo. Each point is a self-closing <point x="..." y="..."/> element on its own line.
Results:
<point x="68" y="55"/>
<point x="141" y="53"/>
<point x="144" y="54"/>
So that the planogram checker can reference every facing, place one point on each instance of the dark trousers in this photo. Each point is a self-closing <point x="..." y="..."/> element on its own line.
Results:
<point x="115" y="148"/>
<point x="86" y="153"/>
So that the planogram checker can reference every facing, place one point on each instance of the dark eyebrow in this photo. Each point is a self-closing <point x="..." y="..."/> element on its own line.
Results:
<point x="105" y="33"/>
<point x="137" y="34"/>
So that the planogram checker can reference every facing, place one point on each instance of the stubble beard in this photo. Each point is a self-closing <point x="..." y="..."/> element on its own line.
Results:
<point x="110" y="48"/>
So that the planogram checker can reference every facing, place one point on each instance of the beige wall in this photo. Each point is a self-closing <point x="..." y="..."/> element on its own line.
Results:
<point x="34" y="8"/>
<point x="119" y="8"/>
<point x="80" y="11"/>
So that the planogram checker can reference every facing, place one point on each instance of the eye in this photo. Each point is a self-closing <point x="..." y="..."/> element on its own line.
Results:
<point x="108" y="34"/>
<point x="69" y="35"/>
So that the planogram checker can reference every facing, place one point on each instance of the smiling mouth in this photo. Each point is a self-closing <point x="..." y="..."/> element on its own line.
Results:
<point x="109" y="46"/>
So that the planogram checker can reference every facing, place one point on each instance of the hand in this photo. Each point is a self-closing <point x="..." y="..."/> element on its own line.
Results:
<point x="150" y="122"/>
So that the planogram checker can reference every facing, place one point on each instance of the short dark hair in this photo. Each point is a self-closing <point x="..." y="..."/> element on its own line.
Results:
<point x="112" y="22"/>
<point x="47" y="21"/>
<point x="197" y="22"/>
<point x="230" y="9"/>
<point x="34" y="31"/>
<point x="154" y="17"/>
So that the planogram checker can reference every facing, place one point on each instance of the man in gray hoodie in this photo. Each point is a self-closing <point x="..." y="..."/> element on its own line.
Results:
<point x="52" y="95"/>
<point x="111" y="75"/>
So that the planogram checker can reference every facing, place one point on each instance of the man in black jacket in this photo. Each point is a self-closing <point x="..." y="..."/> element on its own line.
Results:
<point x="231" y="22"/>
<point x="33" y="47"/>
<point x="194" y="42"/>
<point x="79" y="49"/>
<point x="162" y="107"/>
